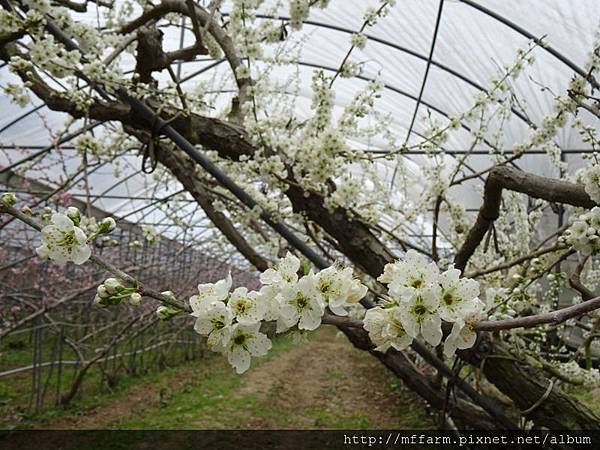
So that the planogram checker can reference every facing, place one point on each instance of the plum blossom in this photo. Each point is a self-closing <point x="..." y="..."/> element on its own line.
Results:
<point x="246" y="306"/>
<point x="339" y="288"/>
<point x="215" y="321"/>
<point x="458" y="295"/>
<point x="285" y="272"/>
<point x="411" y="275"/>
<point x="385" y="328"/>
<point x="463" y="335"/>
<point x="494" y="296"/>
<point x="419" y="315"/>
<point x="591" y="182"/>
<point x="244" y="342"/>
<point x="210" y="292"/>
<point x="62" y="241"/>
<point x="584" y="234"/>
<point x="269" y="296"/>
<point x="275" y="281"/>
<point x="301" y="304"/>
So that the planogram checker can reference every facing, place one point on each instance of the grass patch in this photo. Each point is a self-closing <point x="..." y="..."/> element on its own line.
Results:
<point x="17" y="407"/>
<point x="207" y="400"/>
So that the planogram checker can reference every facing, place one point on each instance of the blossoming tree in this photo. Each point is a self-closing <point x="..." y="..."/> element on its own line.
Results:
<point x="316" y="217"/>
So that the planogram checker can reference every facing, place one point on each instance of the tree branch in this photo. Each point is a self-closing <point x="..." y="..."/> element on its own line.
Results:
<point x="516" y="180"/>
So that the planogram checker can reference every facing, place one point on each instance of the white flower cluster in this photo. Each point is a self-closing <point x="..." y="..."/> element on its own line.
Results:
<point x="113" y="292"/>
<point x="358" y="40"/>
<point x="9" y="22"/>
<point x="299" y="10"/>
<point x="591" y="182"/>
<point x="584" y="234"/>
<point x="18" y="94"/>
<point x="589" y="378"/>
<point x="232" y="320"/>
<point x="421" y="298"/>
<point x="67" y="236"/>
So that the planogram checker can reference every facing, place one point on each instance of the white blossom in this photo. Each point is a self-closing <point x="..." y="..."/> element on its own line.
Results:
<point x="62" y="241"/>
<point x="584" y="234"/>
<point x="591" y="182"/>
<point x="215" y="321"/>
<point x="458" y="295"/>
<point x="286" y="271"/>
<point x="246" y="306"/>
<point x="302" y="305"/>
<point x="210" y="292"/>
<point x="494" y="296"/>
<point x="463" y="335"/>
<point x="411" y="275"/>
<point x="385" y="328"/>
<point x="419" y="315"/>
<point x="339" y="288"/>
<point x="246" y="341"/>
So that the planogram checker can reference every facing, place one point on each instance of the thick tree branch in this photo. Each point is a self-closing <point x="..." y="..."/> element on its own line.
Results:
<point x="205" y="20"/>
<point x="503" y="177"/>
<point x="183" y="168"/>
<point x="151" y="57"/>
<point x="230" y="140"/>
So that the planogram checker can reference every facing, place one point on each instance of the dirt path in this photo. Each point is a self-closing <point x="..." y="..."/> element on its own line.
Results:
<point x="327" y="383"/>
<point x="323" y="383"/>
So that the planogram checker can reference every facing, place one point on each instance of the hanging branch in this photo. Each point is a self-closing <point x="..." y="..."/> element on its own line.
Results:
<point x="503" y="177"/>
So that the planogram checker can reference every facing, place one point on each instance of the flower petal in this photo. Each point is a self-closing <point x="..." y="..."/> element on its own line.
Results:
<point x="431" y="329"/>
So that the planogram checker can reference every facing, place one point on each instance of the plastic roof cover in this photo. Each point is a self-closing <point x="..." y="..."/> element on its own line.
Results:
<point x="470" y="47"/>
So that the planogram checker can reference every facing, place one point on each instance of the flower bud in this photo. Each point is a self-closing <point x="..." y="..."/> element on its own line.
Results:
<point x="9" y="198"/>
<point x="165" y="313"/>
<point x="102" y="292"/>
<point x="135" y="299"/>
<point x="74" y="214"/>
<point x="169" y="294"/>
<point x="107" y="225"/>
<point x="99" y="302"/>
<point x="112" y="285"/>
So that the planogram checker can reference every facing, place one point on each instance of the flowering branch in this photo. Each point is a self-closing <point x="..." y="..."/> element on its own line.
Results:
<point x="515" y="180"/>
<point x="168" y="300"/>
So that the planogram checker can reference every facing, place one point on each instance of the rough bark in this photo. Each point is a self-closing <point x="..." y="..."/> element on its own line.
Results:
<point x="354" y="238"/>
<point x="528" y="388"/>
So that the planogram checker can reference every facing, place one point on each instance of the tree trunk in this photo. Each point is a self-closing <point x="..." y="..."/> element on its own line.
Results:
<point x="530" y="389"/>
